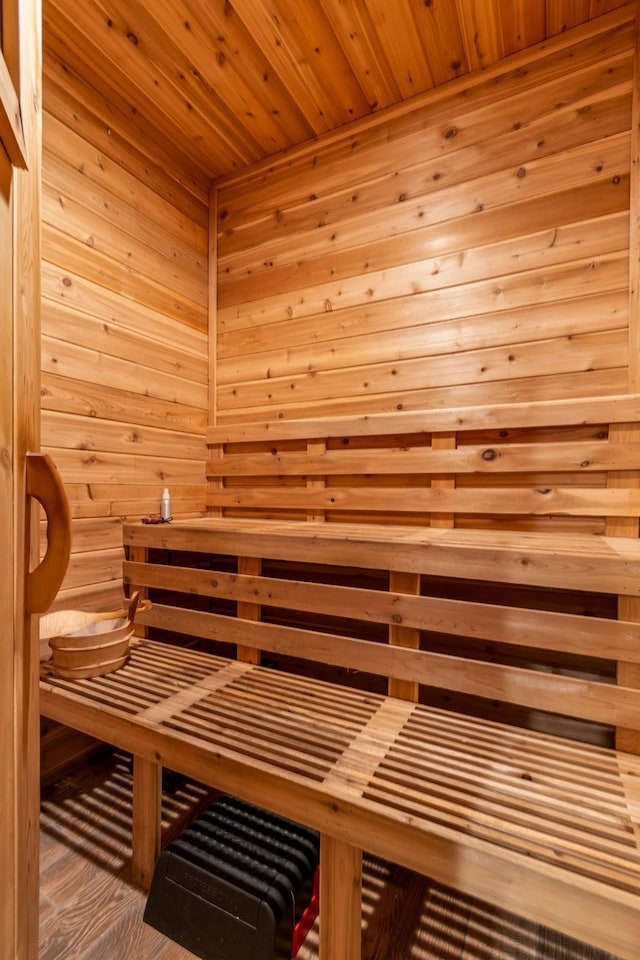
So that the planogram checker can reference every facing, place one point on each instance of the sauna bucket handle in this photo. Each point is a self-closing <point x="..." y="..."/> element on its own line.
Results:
<point x="44" y="484"/>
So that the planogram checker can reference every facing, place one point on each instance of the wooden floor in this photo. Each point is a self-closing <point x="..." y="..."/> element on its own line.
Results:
<point x="90" y="909"/>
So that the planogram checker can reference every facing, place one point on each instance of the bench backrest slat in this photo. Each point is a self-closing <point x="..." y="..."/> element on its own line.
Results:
<point x="537" y="501"/>
<point x="570" y="461"/>
<point x="549" y="630"/>
<point x="564" y="457"/>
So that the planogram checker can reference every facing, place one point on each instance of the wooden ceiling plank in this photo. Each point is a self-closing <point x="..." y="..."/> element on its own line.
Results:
<point x="306" y="55"/>
<point x="106" y="56"/>
<point x="564" y="14"/>
<point x="229" y="61"/>
<point x="439" y="29"/>
<point x="223" y="84"/>
<point x="524" y="23"/>
<point x="164" y="66"/>
<point x="481" y="28"/>
<point x="586" y="46"/>
<point x="352" y="26"/>
<point x="396" y="30"/>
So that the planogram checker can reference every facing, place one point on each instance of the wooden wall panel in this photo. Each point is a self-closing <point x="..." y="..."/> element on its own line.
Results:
<point x="124" y="325"/>
<point x="471" y="246"/>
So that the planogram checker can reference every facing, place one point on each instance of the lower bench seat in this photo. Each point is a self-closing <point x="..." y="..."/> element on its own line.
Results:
<point x="548" y="828"/>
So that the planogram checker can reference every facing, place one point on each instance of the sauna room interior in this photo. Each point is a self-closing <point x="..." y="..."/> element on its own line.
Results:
<point x="257" y="212"/>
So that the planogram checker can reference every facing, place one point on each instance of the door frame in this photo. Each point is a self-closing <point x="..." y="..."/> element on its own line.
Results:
<point x="20" y="171"/>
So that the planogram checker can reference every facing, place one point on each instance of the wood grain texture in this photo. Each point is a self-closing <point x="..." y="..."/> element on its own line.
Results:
<point x="10" y="705"/>
<point x="244" y="81"/>
<point x="340" y="892"/>
<point x="466" y="245"/>
<point x="20" y="205"/>
<point x="125" y="313"/>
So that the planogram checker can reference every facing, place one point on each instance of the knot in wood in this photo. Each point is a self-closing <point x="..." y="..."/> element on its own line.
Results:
<point x="489" y="454"/>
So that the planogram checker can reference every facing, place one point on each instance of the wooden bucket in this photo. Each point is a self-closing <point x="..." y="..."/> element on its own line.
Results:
<point x="89" y="645"/>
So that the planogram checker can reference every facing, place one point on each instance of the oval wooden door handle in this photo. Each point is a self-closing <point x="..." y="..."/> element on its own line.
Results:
<point x="43" y="482"/>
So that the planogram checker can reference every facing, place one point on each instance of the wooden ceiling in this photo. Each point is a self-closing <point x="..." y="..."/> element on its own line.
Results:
<point x="229" y="82"/>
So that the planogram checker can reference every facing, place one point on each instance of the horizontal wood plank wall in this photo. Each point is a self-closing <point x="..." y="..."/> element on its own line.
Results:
<point x="469" y="247"/>
<point x="124" y="347"/>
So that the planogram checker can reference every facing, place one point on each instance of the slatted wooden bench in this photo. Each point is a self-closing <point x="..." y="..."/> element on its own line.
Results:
<point x="555" y="483"/>
<point x="513" y="602"/>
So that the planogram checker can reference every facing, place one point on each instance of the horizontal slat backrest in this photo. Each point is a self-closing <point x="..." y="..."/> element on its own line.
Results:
<point x="310" y="613"/>
<point x="548" y="465"/>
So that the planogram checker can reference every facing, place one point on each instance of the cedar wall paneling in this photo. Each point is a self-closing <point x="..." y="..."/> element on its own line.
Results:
<point x="470" y="246"/>
<point x="124" y="326"/>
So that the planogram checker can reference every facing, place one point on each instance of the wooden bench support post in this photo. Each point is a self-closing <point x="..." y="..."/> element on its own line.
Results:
<point x="400" y="636"/>
<point x="443" y="441"/>
<point x="138" y="555"/>
<point x="249" y="567"/>
<point x="340" y="900"/>
<point x="147" y="816"/>
<point x="628" y="674"/>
